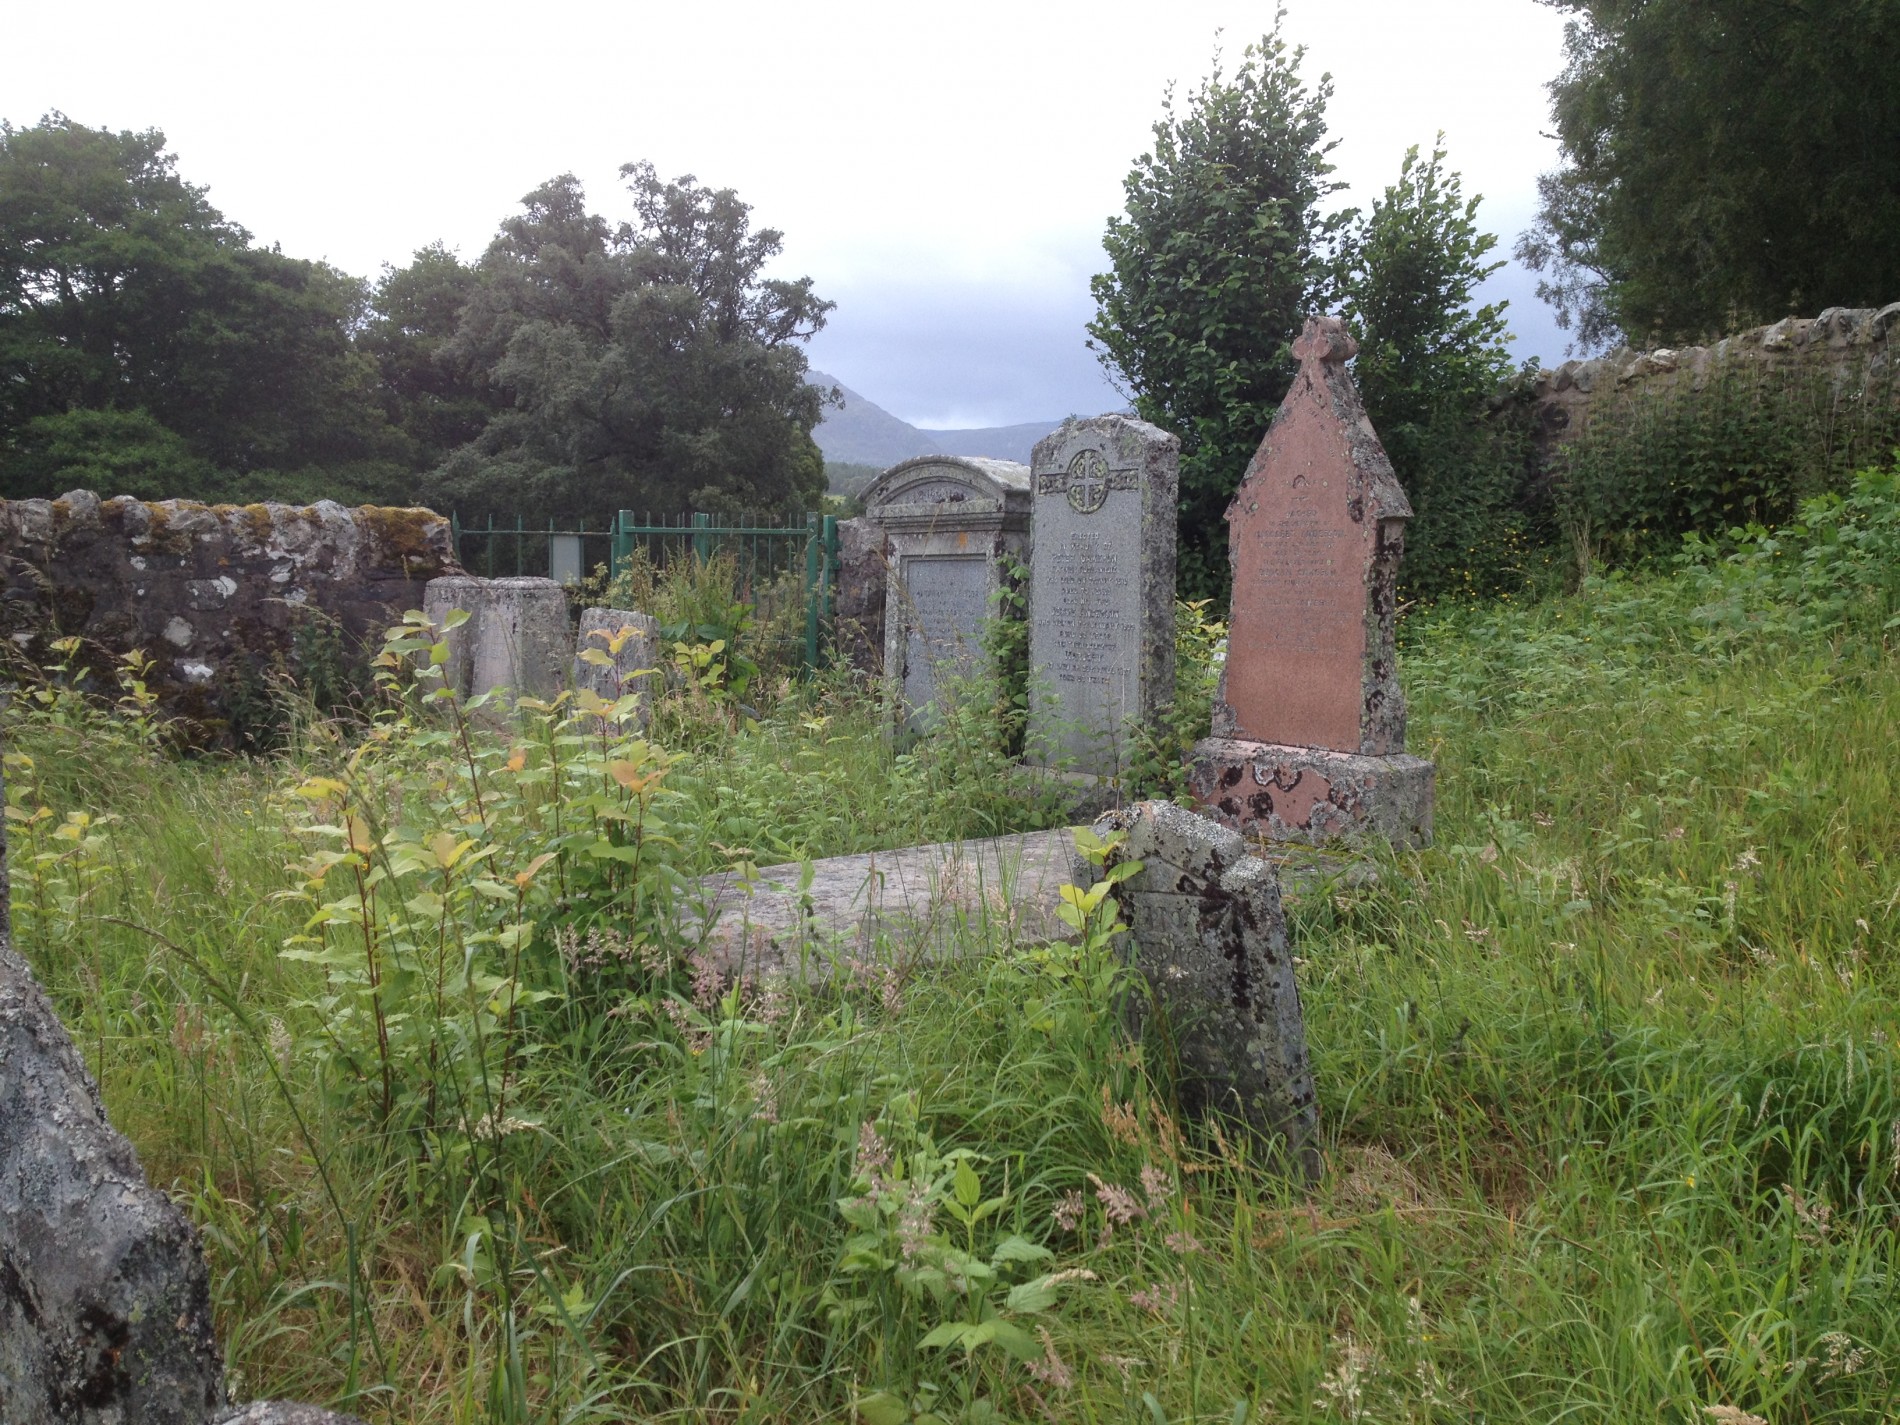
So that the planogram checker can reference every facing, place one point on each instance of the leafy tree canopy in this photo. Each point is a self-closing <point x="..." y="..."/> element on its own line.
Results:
<point x="126" y="295"/>
<point x="647" y="365"/>
<point x="1220" y="255"/>
<point x="1725" y="162"/>
<point x="1431" y="361"/>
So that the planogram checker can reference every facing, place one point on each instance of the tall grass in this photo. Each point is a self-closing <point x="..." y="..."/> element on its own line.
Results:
<point x="1610" y="1114"/>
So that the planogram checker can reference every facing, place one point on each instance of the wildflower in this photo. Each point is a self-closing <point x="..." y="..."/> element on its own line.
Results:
<point x="892" y="993"/>
<point x="1156" y="1186"/>
<point x="1120" y="1121"/>
<point x="698" y="1040"/>
<point x="765" y="1099"/>
<point x="1126" y="1365"/>
<point x="707" y="981"/>
<point x="874" y="1154"/>
<point x="1841" y="1357"/>
<point x="1051" y="1369"/>
<point x="914" y="1222"/>
<point x="279" y="1042"/>
<point x="1157" y="1299"/>
<point x="1118" y="1203"/>
<point x="1183" y="1243"/>
<point x="1068" y="1210"/>
<point x="1343" y="1386"/>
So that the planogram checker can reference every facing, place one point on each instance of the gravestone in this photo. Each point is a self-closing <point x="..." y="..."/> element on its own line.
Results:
<point x="629" y="644"/>
<point x="1309" y="727"/>
<point x="1209" y="935"/>
<point x="1101" y="589"/>
<point x="515" y="637"/>
<point x="565" y="560"/>
<point x="950" y="524"/>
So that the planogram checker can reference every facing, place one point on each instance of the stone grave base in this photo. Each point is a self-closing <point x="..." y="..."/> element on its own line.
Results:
<point x="1306" y="794"/>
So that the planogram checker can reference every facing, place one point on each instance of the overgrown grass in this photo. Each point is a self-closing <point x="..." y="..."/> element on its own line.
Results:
<point x="1610" y="1115"/>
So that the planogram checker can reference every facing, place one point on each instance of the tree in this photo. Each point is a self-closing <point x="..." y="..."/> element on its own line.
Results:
<point x="650" y="365"/>
<point x="1220" y="255"/>
<point x="1431" y="361"/>
<point x="435" y="400"/>
<point x="124" y="292"/>
<point x="1725" y="162"/>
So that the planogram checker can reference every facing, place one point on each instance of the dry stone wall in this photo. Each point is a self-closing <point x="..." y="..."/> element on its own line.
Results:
<point x="1848" y="344"/>
<point x="214" y="594"/>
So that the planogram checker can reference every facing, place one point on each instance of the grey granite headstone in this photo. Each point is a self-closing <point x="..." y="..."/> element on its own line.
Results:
<point x="949" y="523"/>
<point x="629" y="642"/>
<point x="1101" y="589"/>
<point x="1210" y="938"/>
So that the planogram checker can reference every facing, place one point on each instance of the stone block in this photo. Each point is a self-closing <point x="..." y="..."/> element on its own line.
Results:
<point x="521" y="642"/>
<point x="858" y="602"/>
<point x="440" y="598"/>
<point x="1210" y="938"/>
<point x="631" y="666"/>
<point x="283" y="1412"/>
<point x="1101" y="589"/>
<point x="1313" y="795"/>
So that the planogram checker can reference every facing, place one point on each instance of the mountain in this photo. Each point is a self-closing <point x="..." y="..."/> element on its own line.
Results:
<point x="864" y="433"/>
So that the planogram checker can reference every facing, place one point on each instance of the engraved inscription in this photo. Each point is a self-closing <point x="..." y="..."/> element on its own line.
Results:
<point x="1092" y="624"/>
<point x="949" y="599"/>
<point x="1086" y="482"/>
<point x="1295" y="572"/>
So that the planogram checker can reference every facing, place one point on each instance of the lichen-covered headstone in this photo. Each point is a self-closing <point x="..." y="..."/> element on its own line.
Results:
<point x="515" y="638"/>
<point x="615" y="652"/>
<point x="950" y="526"/>
<point x="1309" y="727"/>
<point x="1210" y="938"/>
<point x="1101" y="589"/>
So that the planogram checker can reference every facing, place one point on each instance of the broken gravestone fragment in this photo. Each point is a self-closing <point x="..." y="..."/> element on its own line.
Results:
<point x="615" y="652"/>
<point x="514" y="639"/>
<point x="1210" y="938"/>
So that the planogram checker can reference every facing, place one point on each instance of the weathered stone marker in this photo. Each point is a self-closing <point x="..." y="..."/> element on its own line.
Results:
<point x="515" y="636"/>
<point x="948" y="522"/>
<point x="1101" y="589"/>
<point x="638" y="637"/>
<point x="1210" y="937"/>
<point x="1309" y="728"/>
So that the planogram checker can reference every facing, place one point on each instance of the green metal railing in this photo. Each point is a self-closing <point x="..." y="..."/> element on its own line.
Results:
<point x="773" y="563"/>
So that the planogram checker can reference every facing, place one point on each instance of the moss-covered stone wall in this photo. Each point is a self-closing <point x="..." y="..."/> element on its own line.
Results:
<point x="221" y="597"/>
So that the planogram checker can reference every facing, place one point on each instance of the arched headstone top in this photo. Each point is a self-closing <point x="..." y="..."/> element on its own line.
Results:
<point x="950" y="480"/>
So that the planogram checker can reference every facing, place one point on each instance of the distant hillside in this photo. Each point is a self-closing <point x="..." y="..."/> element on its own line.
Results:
<point x="863" y="433"/>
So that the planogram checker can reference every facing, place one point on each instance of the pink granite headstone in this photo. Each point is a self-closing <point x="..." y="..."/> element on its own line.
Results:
<point x="1309" y="728"/>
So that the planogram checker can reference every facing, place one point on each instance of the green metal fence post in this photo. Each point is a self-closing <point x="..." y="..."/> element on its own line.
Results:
<point x="620" y="546"/>
<point x="702" y="543"/>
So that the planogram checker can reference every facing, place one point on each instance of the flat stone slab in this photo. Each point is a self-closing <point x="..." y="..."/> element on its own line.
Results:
<point x="916" y="902"/>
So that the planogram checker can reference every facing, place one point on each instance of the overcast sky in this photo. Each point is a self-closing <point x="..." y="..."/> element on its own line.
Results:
<point x="943" y="173"/>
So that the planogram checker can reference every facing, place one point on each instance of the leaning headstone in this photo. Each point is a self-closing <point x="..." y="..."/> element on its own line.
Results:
<point x="1210" y="938"/>
<point x="1101" y="589"/>
<point x="615" y="653"/>
<point x="1308" y="739"/>
<point x="951" y="525"/>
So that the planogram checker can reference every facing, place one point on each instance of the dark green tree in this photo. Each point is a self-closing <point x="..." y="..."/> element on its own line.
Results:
<point x="436" y="401"/>
<point x="649" y="365"/>
<point x="1431" y="362"/>
<point x="122" y="290"/>
<point x="1220" y="255"/>
<point x="1725" y="162"/>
